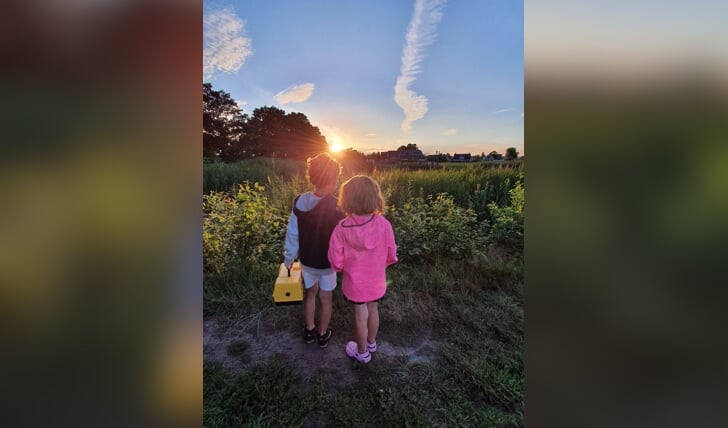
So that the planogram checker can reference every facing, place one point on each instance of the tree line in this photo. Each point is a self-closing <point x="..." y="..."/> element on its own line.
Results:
<point x="229" y="134"/>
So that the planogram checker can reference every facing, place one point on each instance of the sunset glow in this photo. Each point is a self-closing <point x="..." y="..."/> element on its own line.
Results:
<point x="376" y="106"/>
<point x="336" y="146"/>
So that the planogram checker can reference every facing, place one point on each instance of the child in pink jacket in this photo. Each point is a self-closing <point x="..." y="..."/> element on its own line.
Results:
<point x="362" y="246"/>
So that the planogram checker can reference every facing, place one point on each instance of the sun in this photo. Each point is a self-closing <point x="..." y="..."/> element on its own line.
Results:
<point x="336" y="146"/>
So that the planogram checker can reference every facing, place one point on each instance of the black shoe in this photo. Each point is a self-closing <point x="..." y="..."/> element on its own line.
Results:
<point x="323" y="339"/>
<point x="309" y="335"/>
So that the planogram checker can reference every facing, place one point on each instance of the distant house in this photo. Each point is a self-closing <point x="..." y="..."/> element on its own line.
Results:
<point x="462" y="157"/>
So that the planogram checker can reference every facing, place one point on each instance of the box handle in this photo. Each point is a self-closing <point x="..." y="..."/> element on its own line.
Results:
<point x="289" y="269"/>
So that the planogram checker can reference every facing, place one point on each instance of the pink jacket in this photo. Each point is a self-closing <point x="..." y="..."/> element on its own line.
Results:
<point x="362" y="247"/>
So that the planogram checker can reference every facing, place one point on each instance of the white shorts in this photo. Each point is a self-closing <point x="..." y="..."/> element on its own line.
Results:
<point x="326" y="278"/>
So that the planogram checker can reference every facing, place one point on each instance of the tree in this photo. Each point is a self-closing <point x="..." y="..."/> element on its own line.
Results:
<point x="511" y="153"/>
<point x="495" y="155"/>
<point x="266" y="131"/>
<point x="409" y="146"/>
<point x="303" y="140"/>
<point x="223" y="125"/>
<point x="274" y="133"/>
<point x="229" y="135"/>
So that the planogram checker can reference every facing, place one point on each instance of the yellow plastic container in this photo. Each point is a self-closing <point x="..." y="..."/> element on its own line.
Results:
<point x="288" y="288"/>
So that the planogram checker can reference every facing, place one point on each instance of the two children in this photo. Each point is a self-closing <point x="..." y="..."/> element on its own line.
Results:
<point x="361" y="246"/>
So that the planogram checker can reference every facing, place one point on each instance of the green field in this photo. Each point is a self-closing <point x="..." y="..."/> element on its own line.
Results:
<point x="451" y="331"/>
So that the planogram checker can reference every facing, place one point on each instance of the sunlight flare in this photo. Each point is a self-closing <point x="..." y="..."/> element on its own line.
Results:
<point x="336" y="146"/>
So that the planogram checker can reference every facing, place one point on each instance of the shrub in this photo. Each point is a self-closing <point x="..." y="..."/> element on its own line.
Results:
<point x="507" y="229"/>
<point x="432" y="227"/>
<point x="240" y="228"/>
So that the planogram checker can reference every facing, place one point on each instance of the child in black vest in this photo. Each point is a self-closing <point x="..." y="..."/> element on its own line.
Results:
<point x="314" y="216"/>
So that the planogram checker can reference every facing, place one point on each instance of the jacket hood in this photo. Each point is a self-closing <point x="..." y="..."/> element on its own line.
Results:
<point x="364" y="231"/>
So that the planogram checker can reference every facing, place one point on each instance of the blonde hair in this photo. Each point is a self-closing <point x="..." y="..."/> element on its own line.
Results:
<point x="322" y="169"/>
<point x="361" y="195"/>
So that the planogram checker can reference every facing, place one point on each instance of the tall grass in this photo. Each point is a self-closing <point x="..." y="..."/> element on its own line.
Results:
<point x="471" y="186"/>
<point x="221" y="176"/>
<point x="474" y="186"/>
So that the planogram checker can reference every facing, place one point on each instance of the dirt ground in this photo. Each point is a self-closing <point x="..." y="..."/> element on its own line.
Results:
<point x="266" y="337"/>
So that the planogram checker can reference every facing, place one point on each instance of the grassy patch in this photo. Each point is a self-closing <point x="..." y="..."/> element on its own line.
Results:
<point x="240" y="289"/>
<point x="269" y="394"/>
<point x="465" y="306"/>
<point x="390" y="395"/>
<point x="472" y="377"/>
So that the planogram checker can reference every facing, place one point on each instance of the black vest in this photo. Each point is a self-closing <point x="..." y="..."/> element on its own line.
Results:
<point x="314" y="231"/>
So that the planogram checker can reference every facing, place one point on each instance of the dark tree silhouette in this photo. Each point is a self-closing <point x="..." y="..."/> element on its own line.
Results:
<point x="229" y="135"/>
<point x="303" y="139"/>
<point x="409" y="146"/>
<point x="267" y="131"/>
<point x="223" y="125"/>
<point x="274" y="133"/>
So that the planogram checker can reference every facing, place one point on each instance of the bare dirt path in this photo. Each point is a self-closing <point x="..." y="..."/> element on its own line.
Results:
<point x="262" y="338"/>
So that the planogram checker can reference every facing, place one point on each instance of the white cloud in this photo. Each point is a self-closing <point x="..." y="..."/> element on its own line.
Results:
<point x="449" y="132"/>
<point x="225" y="46"/>
<point x="421" y="32"/>
<point x="504" y="110"/>
<point x="521" y="114"/>
<point x="295" y="94"/>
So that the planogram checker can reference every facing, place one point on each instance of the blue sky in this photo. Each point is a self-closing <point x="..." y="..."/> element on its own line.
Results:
<point x="374" y="75"/>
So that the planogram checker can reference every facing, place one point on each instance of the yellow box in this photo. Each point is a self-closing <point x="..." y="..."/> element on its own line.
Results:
<point x="288" y="289"/>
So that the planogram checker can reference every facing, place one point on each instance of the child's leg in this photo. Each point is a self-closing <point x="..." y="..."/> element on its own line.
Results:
<point x="361" y="314"/>
<point x="325" y="299"/>
<point x="309" y="305"/>
<point x="372" y="321"/>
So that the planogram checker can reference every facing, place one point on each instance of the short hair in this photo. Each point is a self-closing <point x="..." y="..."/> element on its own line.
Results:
<point x="322" y="169"/>
<point x="361" y="195"/>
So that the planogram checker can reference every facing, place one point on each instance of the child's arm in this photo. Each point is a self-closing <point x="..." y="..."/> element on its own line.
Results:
<point x="391" y="247"/>
<point x="291" y="245"/>
<point x="336" y="250"/>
